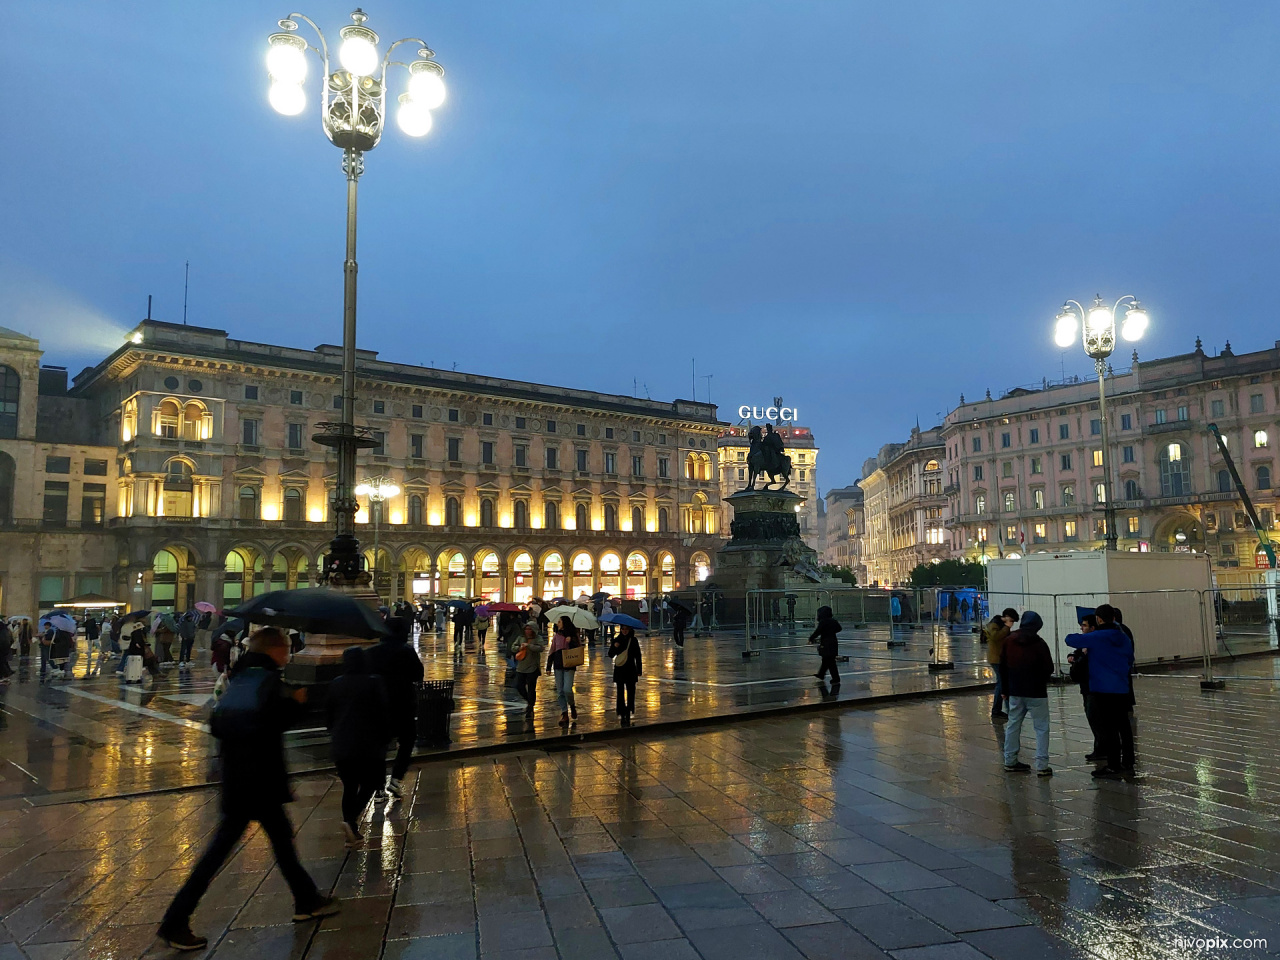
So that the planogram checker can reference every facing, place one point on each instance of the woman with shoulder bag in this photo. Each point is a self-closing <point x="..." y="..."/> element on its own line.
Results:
<point x="625" y="650"/>
<point x="566" y="656"/>
<point x="528" y="654"/>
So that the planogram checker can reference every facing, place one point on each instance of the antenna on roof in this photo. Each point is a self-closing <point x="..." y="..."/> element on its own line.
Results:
<point x="148" y="316"/>
<point x="186" y="280"/>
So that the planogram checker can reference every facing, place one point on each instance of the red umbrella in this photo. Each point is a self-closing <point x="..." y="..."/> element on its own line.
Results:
<point x="503" y="607"/>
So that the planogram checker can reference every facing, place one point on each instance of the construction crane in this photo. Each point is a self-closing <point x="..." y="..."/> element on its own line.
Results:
<point x="1263" y="540"/>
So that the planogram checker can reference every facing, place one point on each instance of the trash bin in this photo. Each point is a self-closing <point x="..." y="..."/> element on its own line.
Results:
<point x="435" y="706"/>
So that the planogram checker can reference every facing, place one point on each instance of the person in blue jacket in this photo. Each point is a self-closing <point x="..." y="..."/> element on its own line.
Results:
<point x="1110" y="662"/>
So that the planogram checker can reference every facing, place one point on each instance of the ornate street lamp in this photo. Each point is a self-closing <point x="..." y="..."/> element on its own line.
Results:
<point x="353" y="104"/>
<point x="1098" y="333"/>
<point x="379" y="490"/>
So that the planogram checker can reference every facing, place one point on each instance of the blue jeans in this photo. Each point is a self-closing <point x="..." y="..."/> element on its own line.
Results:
<point x="564" y="689"/>
<point x="1019" y="707"/>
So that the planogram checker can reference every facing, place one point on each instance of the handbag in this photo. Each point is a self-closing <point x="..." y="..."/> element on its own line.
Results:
<point x="572" y="657"/>
<point x="621" y="659"/>
<point x="522" y="652"/>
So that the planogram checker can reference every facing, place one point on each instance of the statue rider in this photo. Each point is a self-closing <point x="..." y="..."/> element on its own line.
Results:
<point x="774" y="450"/>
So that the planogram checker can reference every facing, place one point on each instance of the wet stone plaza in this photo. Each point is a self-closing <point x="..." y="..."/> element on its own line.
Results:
<point x="870" y="829"/>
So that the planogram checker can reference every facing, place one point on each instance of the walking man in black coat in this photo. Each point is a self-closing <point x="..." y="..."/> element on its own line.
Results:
<point x="250" y="721"/>
<point x="359" y="722"/>
<point x="825" y="636"/>
<point x="398" y="665"/>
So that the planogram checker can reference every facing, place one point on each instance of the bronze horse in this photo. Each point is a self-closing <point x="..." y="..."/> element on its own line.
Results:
<point x="767" y="458"/>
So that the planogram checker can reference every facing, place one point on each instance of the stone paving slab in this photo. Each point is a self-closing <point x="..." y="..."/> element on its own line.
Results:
<point x="854" y="833"/>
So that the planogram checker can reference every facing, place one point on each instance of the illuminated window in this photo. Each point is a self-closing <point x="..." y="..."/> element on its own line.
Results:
<point x="1010" y="500"/>
<point x="1260" y="438"/>
<point x="1097" y="458"/>
<point x="1133" y="524"/>
<point x="1099" y="493"/>
<point x="980" y="504"/>
<point x="1069" y="530"/>
<point x="1037" y="499"/>
<point x="1175" y="472"/>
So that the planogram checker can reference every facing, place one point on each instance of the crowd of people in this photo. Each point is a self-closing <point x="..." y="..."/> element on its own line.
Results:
<point x="1101" y="663"/>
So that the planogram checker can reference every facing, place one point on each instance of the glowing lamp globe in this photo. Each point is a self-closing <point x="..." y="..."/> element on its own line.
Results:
<point x="286" y="58"/>
<point x="287" y="98"/>
<point x="413" y="117"/>
<point x="1135" y="323"/>
<point x="1064" y="330"/>
<point x="359" y="51"/>
<point x="1098" y="320"/>
<point x="426" y="83"/>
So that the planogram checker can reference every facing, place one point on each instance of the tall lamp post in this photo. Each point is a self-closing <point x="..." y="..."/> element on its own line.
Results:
<point x="353" y="104"/>
<point x="1098" y="333"/>
<point x="379" y="490"/>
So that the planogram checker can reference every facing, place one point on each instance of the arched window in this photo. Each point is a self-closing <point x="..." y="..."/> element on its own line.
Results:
<point x="415" y="510"/>
<point x="664" y="520"/>
<point x="520" y="515"/>
<point x="10" y="387"/>
<point x="168" y="414"/>
<point x="691" y="467"/>
<point x="610" y="517"/>
<point x="293" y="504"/>
<point x="1175" y="471"/>
<point x="1224" y="481"/>
<point x="1131" y="489"/>
<point x="1264" y="478"/>
<point x="249" y="503"/>
<point x="551" y="515"/>
<point x="932" y="465"/>
<point x="580" y="517"/>
<point x="486" y="512"/>
<point x="452" y="512"/>
<point x="637" y="519"/>
<point x="6" y="487"/>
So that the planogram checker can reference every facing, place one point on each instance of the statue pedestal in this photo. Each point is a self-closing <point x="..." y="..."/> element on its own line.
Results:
<point x="766" y="552"/>
<point x="320" y="660"/>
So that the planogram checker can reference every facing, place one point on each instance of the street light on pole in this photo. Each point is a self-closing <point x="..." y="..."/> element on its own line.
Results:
<point x="379" y="490"/>
<point x="1098" y="333"/>
<point x="352" y="110"/>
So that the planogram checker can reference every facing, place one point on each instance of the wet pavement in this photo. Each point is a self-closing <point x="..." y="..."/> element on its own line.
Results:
<point x="869" y="832"/>
<point x="94" y="737"/>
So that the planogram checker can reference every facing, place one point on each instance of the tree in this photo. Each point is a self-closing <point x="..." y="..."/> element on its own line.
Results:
<point x="840" y="573"/>
<point x="949" y="573"/>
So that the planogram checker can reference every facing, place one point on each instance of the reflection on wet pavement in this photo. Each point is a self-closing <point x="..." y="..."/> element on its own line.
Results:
<point x="870" y="832"/>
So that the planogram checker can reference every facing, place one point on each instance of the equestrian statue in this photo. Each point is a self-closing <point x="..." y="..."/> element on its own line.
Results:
<point x="767" y="457"/>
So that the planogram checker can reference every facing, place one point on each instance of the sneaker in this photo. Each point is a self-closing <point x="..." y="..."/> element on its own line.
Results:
<point x="1017" y="767"/>
<point x="349" y="835"/>
<point x="1045" y="772"/>
<point x="1106" y="772"/>
<point x="395" y="788"/>
<point x="181" y="938"/>
<point x="324" y="907"/>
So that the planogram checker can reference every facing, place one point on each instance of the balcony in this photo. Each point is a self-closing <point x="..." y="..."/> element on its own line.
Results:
<point x="1173" y="426"/>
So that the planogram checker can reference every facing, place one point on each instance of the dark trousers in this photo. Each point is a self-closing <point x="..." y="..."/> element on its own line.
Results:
<point x="1112" y="728"/>
<point x="527" y="686"/>
<point x="677" y="633"/>
<point x="184" y="650"/>
<point x="406" y="732"/>
<point x="360" y="777"/>
<point x="165" y="649"/>
<point x="275" y="823"/>
<point x="626" y="697"/>
<point x="458" y="631"/>
<point x="1093" y="726"/>
<point x="829" y="663"/>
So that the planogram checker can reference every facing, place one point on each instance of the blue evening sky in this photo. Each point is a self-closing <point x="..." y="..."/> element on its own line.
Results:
<point x="867" y="208"/>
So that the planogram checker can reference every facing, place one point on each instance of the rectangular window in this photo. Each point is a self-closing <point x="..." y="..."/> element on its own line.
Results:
<point x="637" y="466"/>
<point x="1095" y="428"/>
<point x="453" y="415"/>
<point x="1256" y="404"/>
<point x="1064" y="431"/>
<point x="1184" y="413"/>
<point x="1006" y="440"/>
<point x="251" y="393"/>
<point x="455" y="449"/>
<point x="1161" y="417"/>
<point x="1035" y="434"/>
<point x="801" y="476"/>
<point x="977" y="444"/>
<point x="50" y="591"/>
<point x="582" y="429"/>
<point x="742" y="473"/>
<point x="1011" y="534"/>
<point x="1006" y="469"/>
<point x="664" y="467"/>
<point x="1133" y="524"/>
<point x="1037" y="499"/>
<point x="337" y="403"/>
<point x="57" y="464"/>
<point x="608" y="433"/>
<point x="295" y="397"/>
<point x="522" y="455"/>
<point x="551" y="426"/>
<point x="1010" y="501"/>
<point x="296" y="431"/>
<point x="1068" y="495"/>
<point x="1037" y="465"/>
<point x="486" y="451"/>
<point x="249" y="432"/>
<point x="1126" y="454"/>
<point x="1097" y="458"/>
<point x="521" y="423"/>
<point x="487" y="419"/>
<point x="93" y="505"/>
<point x="1126" y="421"/>
<point x="1040" y="532"/>
<point x="1064" y="461"/>
<point x="635" y="436"/>
<point x="1216" y="408"/>
<point x="415" y="446"/>
<point x="582" y="460"/>
<point x="95" y="468"/>
<point x="1069" y="530"/>
<point x="416" y="410"/>
<point x="379" y="438"/>
<point x="553" y="458"/>
<point x="662" y="439"/>
<point x="1099" y="493"/>
<point x="610" y="463"/>
<point x="55" y="501"/>
<point x="379" y="406"/>
<point x="977" y="471"/>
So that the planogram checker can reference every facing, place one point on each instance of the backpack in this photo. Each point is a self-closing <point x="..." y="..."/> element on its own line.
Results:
<point x="238" y="714"/>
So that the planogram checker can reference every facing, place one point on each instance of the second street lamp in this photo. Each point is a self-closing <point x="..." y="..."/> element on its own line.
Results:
<point x="352" y="110"/>
<point x="379" y="490"/>
<point x="1097" y="326"/>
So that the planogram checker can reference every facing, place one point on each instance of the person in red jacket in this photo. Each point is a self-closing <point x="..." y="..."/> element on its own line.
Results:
<point x="1027" y="666"/>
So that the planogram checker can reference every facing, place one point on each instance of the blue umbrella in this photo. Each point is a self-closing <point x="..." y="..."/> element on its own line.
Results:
<point x="622" y="620"/>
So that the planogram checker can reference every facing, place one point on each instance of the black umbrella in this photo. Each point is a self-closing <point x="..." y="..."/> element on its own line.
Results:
<point x="602" y="595"/>
<point x="458" y="603"/>
<point x="231" y="627"/>
<point x="135" y="615"/>
<point x="679" y="606"/>
<point x="314" y="610"/>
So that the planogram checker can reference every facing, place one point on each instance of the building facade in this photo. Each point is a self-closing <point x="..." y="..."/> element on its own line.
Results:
<point x="905" y="507"/>
<point x="214" y="490"/>
<point x="732" y="447"/>
<point x="845" y="528"/>
<point x="1025" y="470"/>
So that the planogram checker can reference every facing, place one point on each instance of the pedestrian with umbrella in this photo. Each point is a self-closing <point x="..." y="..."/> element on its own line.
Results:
<point x="566" y="656"/>
<point x="627" y="667"/>
<point x="249" y="721"/>
<point x="165" y="631"/>
<point x="358" y="715"/>
<point x="483" y="613"/>
<point x="396" y="662"/>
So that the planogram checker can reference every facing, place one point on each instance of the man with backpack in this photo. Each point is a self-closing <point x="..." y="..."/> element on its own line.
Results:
<point x="249" y="721"/>
<point x="395" y="661"/>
